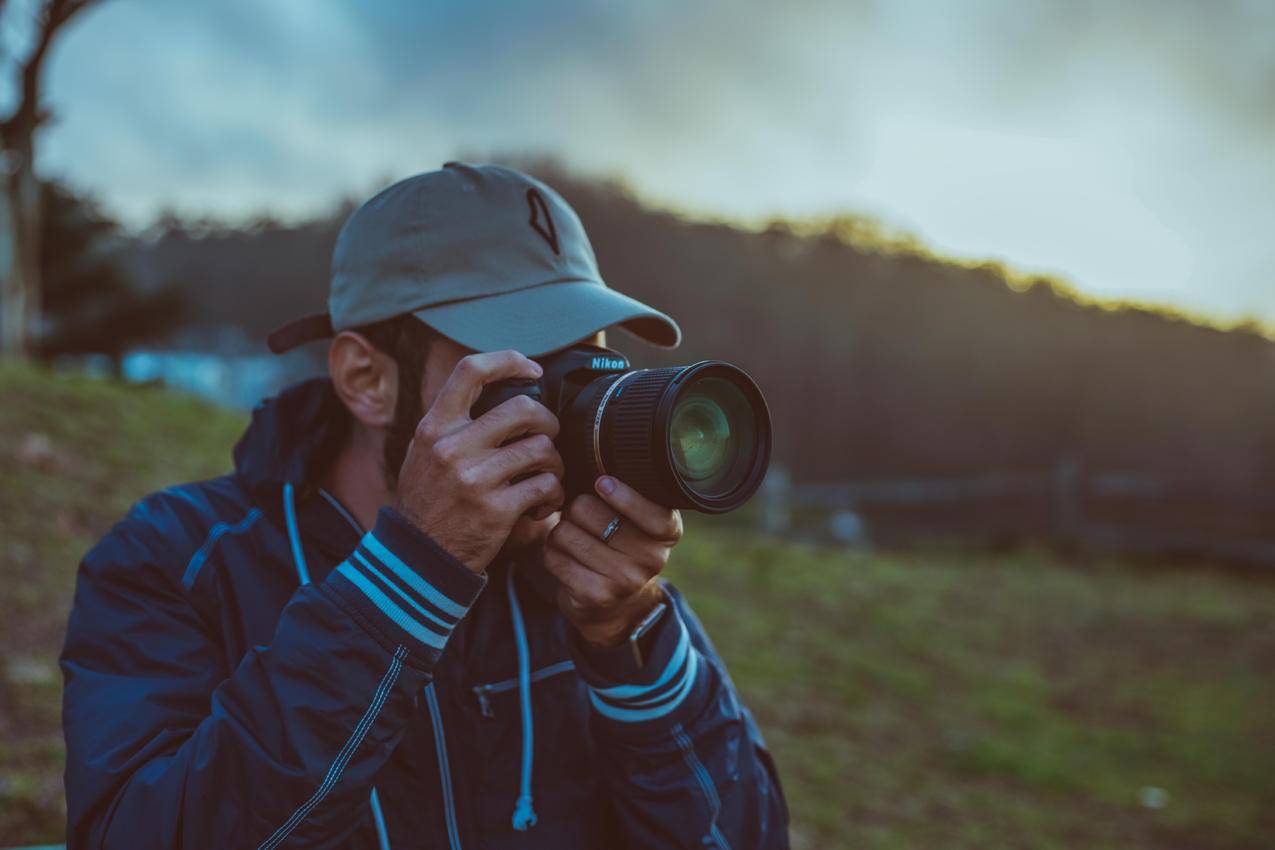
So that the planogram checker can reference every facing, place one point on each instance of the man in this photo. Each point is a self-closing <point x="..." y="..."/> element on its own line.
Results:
<point x="386" y="629"/>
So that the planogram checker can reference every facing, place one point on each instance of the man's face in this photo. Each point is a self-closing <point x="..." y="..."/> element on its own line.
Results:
<point x="443" y="357"/>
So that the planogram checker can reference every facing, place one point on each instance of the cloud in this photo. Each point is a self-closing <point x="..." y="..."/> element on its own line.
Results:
<point x="1124" y="145"/>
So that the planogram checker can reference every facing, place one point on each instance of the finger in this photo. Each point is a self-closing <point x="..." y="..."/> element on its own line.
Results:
<point x="594" y="515"/>
<point x="625" y="574"/>
<point x="585" y="548"/>
<point x="542" y="512"/>
<point x="664" y="524"/>
<point x="515" y="417"/>
<point x="629" y="570"/>
<point x="585" y="589"/>
<point x="543" y="489"/>
<point x="535" y="453"/>
<point x="472" y="373"/>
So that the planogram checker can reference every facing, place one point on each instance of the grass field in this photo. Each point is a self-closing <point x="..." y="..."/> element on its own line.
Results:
<point x="921" y="700"/>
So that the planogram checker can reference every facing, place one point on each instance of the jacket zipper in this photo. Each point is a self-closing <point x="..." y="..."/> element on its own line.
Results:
<point x="485" y="692"/>
<point x="445" y="774"/>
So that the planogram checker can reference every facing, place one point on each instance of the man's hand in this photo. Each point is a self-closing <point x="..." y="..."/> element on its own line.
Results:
<point x="607" y="587"/>
<point x="455" y="482"/>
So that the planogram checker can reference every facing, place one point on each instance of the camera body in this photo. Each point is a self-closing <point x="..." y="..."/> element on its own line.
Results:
<point x="566" y="374"/>
<point x="694" y="436"/>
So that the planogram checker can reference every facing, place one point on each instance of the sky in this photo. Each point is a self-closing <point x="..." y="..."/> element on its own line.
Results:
<point x="1127" y="147"/>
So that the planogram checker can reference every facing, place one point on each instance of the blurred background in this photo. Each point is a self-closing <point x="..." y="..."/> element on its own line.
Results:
<point x="1004" y="271"/>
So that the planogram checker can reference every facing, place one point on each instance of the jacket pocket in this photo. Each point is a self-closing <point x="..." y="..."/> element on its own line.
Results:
<point x="487" y="694"/>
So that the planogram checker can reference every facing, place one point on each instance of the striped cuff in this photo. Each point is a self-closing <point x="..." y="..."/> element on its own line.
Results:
<point x="663" y="692"/>
<point x="406" y="587"/>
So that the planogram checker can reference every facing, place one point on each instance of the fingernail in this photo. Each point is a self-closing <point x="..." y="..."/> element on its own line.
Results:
<point x="606" y="485"/>
<point x="537" y="369"/>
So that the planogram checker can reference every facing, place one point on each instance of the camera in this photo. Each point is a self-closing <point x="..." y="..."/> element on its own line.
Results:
<point x="694" y="436"/>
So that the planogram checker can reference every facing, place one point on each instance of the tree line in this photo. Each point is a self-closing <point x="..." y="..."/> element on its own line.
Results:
<point x="878" y="360"/>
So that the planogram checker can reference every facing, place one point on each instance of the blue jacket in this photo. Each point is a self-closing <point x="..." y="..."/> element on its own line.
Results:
<point x="247" y="668"/>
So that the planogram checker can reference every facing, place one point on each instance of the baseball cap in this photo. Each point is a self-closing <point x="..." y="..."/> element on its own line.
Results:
<point x="485" y="255"/>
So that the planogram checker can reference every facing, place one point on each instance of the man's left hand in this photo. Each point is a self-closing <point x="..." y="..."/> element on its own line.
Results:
<point x="608" y="587"/>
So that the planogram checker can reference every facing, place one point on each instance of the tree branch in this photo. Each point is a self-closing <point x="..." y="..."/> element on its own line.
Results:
<point x="51" y="17"/>
<point x="3" y="4"/>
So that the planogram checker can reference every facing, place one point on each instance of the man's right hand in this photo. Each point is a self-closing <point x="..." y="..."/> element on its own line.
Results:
<point x="455" y="484"/>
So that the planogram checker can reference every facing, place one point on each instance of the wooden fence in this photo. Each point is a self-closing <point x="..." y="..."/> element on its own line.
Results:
<point x="1067" y="506"/>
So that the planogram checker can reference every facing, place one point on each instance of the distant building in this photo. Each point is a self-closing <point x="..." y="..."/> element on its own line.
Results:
<point x="223" y="367"/>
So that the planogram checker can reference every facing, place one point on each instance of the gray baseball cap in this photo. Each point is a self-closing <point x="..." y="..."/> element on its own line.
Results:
<point x="485" y="255"/>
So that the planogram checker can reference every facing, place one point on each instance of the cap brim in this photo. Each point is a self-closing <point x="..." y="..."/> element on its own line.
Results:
<point x="299" y="332"/>
<point x="545" y="318"/>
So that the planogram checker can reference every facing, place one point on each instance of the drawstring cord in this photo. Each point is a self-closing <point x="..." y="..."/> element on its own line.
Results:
<point x="303" y="577"/>
<point x="382" y="834"/>
<point x="524" y="815"/>
<point x="294" y="537"/>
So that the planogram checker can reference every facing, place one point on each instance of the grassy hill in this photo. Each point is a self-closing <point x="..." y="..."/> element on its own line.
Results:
<point x="919" y="700"/>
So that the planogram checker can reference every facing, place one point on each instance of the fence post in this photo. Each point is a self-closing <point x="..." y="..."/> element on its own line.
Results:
<point x="1067" y="503"/>
<point x="776" y="501"/>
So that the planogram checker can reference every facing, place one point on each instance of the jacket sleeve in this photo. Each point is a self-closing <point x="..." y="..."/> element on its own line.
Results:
<point x="687" y="764"/>
<point x="166" y="748"/>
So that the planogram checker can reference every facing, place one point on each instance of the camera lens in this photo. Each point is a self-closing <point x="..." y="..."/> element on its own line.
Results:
<point x="684" y="436"/>
<point x="712" y="436"/>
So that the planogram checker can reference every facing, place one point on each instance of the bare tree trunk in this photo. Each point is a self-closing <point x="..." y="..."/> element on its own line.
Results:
<point x="20" y="290"/>
<point x="13" y="307"/>
<point x="25" y="209"/>
<point x="20" y="322"/>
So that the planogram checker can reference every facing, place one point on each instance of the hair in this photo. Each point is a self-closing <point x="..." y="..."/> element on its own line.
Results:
<point x="407" y="340"/>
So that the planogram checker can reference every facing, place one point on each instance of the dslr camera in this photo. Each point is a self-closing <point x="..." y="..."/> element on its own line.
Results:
<point x="694" y="436"/>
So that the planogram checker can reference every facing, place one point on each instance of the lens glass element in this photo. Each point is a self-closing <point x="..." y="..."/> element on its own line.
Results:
<point x="713" y="436"/>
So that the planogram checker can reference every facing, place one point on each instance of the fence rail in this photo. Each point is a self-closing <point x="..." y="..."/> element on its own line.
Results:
<point x="1067" y="505"/>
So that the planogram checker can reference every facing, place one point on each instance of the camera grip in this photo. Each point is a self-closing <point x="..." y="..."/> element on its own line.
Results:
<point x="498" y="392"/>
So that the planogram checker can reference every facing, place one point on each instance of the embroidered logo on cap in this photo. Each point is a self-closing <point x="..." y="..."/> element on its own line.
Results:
<point x="541" y="221"/>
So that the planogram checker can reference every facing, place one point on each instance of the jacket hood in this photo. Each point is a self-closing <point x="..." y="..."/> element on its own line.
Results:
<point x="290" y="437"/>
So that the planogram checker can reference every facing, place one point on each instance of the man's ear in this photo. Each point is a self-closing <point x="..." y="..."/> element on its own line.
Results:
<point x="365" y="379"/>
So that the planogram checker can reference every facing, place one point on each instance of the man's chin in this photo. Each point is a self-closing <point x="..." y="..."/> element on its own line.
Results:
<point x="529" y="534"/>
